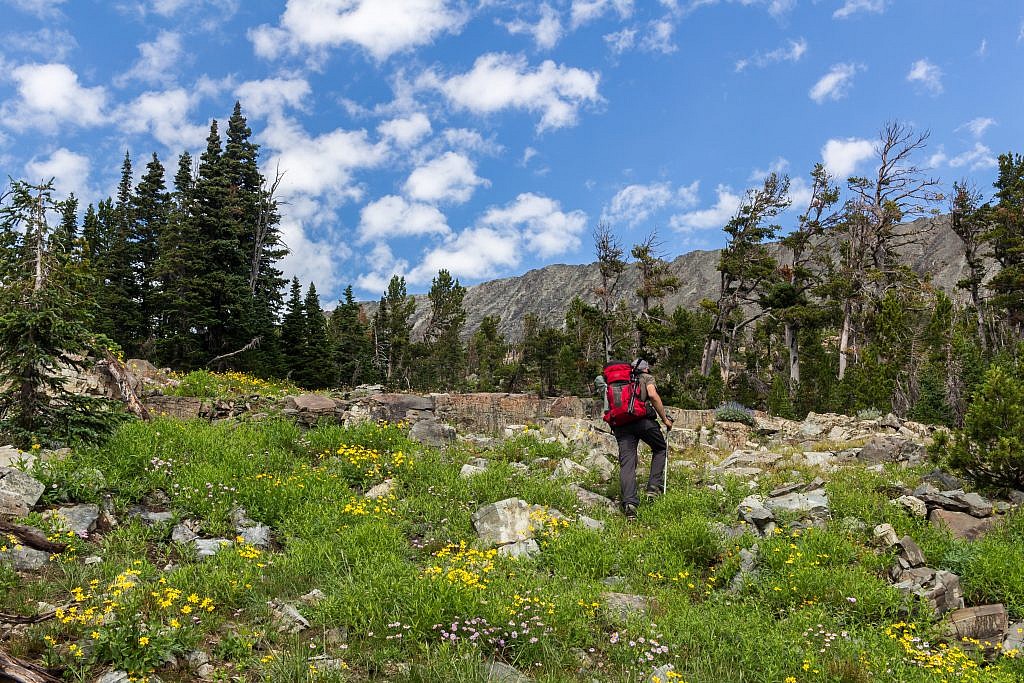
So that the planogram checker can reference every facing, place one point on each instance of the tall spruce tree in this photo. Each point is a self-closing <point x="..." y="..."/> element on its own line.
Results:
<point x="44" y="326"/>
<point x="445" y="355"/>
<point x="151" y="211"/>
<point x="317" y="370"/>
<point x="392" y="326"/>
<point x="350" y="334"/>
<point x="1007" y="239"/>
<point x="293" y="332"/>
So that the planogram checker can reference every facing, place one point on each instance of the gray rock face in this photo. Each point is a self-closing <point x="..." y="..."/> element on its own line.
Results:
<point x="597" y="461"/>
<point x="569" y="469"/>
<point x="208" y="547"/>
<point x="909" y="553"/>
<point x="506" y="521"/>
<point x="961" y="524"/>
<point x="520" y="549"/>
<point x="885" y="449"/>
<point x="11" y="456"/>
<point x="752" y="510"/>
<point x="940" y="590"/>
<point x="25" y="559"/>
<point x="80" y="519"/>
<point x="986" y="623"/>
<point x="915" y="506"/>
<point x="590" y="499"/>
<point x="381" y="490"/>
<point x="590" y="523"/>
<point x="814" y="503"/>
<point x="432" y="433"/>
<point x="257" y="535"/>
<point x="621" y="606"/>
<point x="18" y="492"/>
<point x="499" y="672"/>
<point x="186" y="532"/>
<point x="885" y="536"/>
<point x="286" y="618"/>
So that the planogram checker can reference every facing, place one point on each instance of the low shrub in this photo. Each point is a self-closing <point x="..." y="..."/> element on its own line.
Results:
<point x="734" y="412"/>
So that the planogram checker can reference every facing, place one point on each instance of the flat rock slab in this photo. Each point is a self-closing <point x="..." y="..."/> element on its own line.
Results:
<point x="257" y="535"/>
<point x="503" y="522"/>
<point x="621" y="606"/>
<point x="520" y="549"/>
<point x="986" y="623"/>
<point x="18" y="492"/>
<point x="314" y="403"/>
<point x="11" y="456"/>
<point x="432" y="433"/>
<point x="81" y="519"/>
<point x="287" y="618"/>
<point x="208" y="547"/>
<point x="499" y="672"/>
<point x="961" y="524"/>
<point x="25" y="559"/>
<point x="591" y="499"/>
<point x="569" y="469"/>
<point x="381" y="490"/>
<point x="468" y="471"/>
<point x="813" y="502"/>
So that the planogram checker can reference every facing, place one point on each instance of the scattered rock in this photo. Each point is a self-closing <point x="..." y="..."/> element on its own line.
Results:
<point x="313" y="597"/>
<point x="328" y="663"/>
<point x="569" y="469"/>
<point x="150" y="517"/>
<point x="597" y="461"/>
<point x="11" y="457"/>
<point x="258" y="535"/>
<point x="621" y="606"/>
<point x="977" y="506"/>
<point x="915" y="506"/>
<point x="1014" y="641"/>
<point x="499" y="672"/>
<point x="432" y="433"/>
<point x="114" y="677"/>
<point x="885" y="536"/>
<point x="986" y="623"/>
<point x="814" y="503"/>
<point x="286" y="618"/>
<point x="961" y="524"/>
<point x="944" y="481"/>
<point x="312" y="403"/>
<point x="748" y="569"/>
<point x="890" y="421"/>
<point x="660" y="675"/>
<point x="196" y="658"/>
<point x="186" y="532"/>
<point x="885" y="449"/>
<point x="381" y="490"/>
<point x="25" y="559"/>
<point x="590" y="523"/>
<point x="909" y="553"/>
<point x="520" y="549"/>
<point x="208" y="547"/>
<point x="590" y="499"/>
<point x="503" y="522"/>
<point x="468" y="471"/>
<point x="80" y="519"/>
<point x="18" y="492"/>
<point x="753" y="511"/>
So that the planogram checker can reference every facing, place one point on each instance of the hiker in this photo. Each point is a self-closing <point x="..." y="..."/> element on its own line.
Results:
<point x="638" y="425"/>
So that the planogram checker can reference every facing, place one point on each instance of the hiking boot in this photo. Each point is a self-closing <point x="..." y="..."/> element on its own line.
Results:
<point x="630" y="511"/>
<point x="653" y="494"/>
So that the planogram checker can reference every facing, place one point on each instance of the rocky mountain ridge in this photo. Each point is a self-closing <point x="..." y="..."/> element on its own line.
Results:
<point x="546" y="292"/>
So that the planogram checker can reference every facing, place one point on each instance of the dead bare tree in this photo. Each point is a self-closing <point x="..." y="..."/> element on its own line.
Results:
<point x="876" y="225"/>
<point x="611" y="265"/>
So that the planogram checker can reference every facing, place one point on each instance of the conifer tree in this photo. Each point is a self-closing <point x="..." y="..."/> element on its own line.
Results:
<point x="350" y="335"/>
<point x="392" y="326"/>
<point x="293" y="332"/>
<point x="44" y="326"/>
<point x="444" y="329"/>
<point x="486" y="355"/>
<point x="66" y="234"/>
<point x="1007" y="239"/>
<point x="151" y="209"/>
<point x="317" y="370"/>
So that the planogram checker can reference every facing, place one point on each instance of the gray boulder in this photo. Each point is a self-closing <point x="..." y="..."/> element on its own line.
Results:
<point x="752" y="511"/>
<point x="432" y="433"/>
<point x="257" y="535"/>
<point x="499" y="672"/>
<point x="286" y="618"/>
<point x="25" y="559"/>
<point x="520" y="549"/>
<point x="590" y="499"/>
<point x="18" y="492"/>
<point x="914" y="505"/>
<point x="381" y="490"/>
<point x="208" y="547"/>
<point x="886" y="449"/>
<point x="503" y="522"/>
<point x="80" y="519"/>
<point x="621" y="606"/>
<point x="569" y="469"/>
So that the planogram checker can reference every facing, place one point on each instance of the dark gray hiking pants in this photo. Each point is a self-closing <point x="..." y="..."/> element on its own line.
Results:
<point x="629" y="437"/>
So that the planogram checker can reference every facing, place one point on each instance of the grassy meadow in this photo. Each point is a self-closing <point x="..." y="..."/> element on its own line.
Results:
<point x="407" y="595"/>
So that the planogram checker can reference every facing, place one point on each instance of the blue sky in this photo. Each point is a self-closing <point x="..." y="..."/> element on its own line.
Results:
<point x="490" y="137"/>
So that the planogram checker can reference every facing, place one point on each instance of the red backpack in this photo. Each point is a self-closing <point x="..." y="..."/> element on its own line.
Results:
<point x="627" y="395"/>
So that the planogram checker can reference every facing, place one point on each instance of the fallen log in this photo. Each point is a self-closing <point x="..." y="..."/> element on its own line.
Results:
<point x="14" y="670"/>
<point x="19" y="619"/>
<point x="33" y="538"/>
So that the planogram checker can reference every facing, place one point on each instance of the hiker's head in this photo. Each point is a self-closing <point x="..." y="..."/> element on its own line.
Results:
<point x="641" y="365"/>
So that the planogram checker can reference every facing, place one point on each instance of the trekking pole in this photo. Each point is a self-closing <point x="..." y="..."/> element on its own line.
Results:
<point x="664" y="479"/>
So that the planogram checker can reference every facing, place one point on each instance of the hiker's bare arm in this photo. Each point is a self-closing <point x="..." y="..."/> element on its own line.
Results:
<point x="659" y="407"/>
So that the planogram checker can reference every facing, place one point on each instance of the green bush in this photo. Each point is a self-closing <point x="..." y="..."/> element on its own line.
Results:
<point x="990" y="447"/>
<point x="734" y="412"/>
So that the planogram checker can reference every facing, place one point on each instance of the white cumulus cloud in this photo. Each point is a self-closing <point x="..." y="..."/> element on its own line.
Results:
<point x="977" y="158"/>
<point x="544" y="228"/>
<point x="448" y="178"/>
<point x="634" y="204"/>
<point x="979" y="125"/>
<point x="165" y="116"/>
<point x="476" y="253"/>
<point x="841" y="157"/>
<point x="501" y="81"/>
<point x="851" y="7"/>
<point x="381" y="27"/>
<point x="715" y="216"/>
<point x="547" y="30"/>
<point x="49" y="43"/>
<point x="157" y="60"/>
<point x="69" y="170"/>
<point x="50" y="95"/>
<point x="585" y="11"/>
<point x="270" y="96"/>
<point x="835" y="84"/>
<point x="44" y="9"/>
<point x="793" y="51"/>
<point x="406" y="131"/>
<point x="926" y="74"/>
<point x="393" y="216"/>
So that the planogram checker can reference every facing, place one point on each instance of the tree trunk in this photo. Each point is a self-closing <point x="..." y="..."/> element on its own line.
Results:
<point x="708" y="358"/>
<point x="123" y="379"/>
<point x="793" y="346"/>
<point x="844" y="339"/>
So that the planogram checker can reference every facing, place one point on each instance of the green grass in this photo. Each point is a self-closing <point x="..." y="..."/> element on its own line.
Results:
<point x="402" y="599"/>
